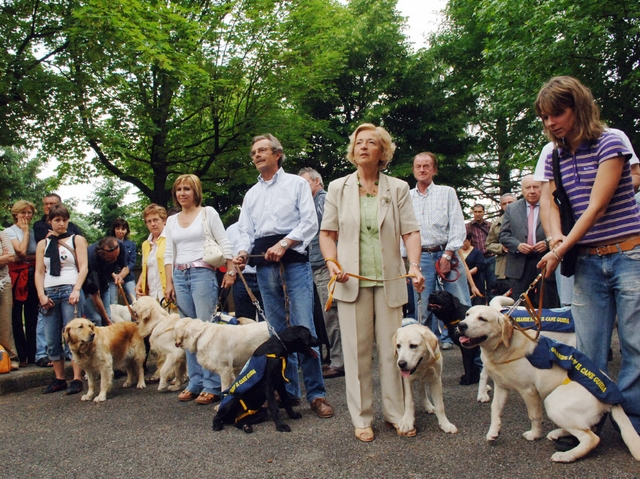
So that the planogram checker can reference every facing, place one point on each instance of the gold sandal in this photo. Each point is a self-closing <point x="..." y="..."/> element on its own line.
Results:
<point x="365" y="434"/>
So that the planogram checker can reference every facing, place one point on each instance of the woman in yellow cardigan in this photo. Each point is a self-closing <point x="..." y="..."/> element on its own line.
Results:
<point x="153" y="279"/>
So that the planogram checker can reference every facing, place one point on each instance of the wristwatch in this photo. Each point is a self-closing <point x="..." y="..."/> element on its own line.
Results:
<point x="447" y="256"/>
<point x="284" y="244"/>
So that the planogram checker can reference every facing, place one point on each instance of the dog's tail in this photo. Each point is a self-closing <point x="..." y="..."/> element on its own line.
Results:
<point x="629" y="434"/>
<point x="500" y="302"/>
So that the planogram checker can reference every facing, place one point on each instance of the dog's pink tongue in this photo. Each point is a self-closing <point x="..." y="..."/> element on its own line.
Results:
<point x="464" y="340"/>
<point x="405" y="374"/>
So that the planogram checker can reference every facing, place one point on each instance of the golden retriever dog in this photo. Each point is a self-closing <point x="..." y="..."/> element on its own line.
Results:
<point x="420" y="362"/>
<point x="567" y="402"/>
<point x="119" y="313"/>
<point x="100" y="350"/>
<point x="221" y="348"/>
<point x="500" y="303"/>
<point x="158" y="324"/>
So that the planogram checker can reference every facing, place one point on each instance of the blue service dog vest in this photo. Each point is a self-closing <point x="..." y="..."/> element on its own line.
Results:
<point x="580" y="368"/>
<point x="559" y="320"/>
<point x="251" y="373"/>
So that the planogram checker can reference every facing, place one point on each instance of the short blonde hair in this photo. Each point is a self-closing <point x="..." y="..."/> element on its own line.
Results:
<point x="564" y="92"/>
<point x="154" y="209"/>
<point x="386" y="144"/>
<point x="193" y="182"/>
<point x="21" y="205"/>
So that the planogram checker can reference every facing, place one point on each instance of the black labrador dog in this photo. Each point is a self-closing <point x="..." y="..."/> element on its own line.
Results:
<point x="260" y="379"/>
<point x="451" y="311"/>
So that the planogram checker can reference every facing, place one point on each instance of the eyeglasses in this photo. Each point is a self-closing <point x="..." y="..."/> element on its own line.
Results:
<point x="110" y="250"/>
<point x="259" y="150"/>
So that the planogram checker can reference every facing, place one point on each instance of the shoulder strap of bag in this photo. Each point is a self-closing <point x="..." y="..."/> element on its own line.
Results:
<point x="556" y="171"/>
<point x="205" y="224"/>
<point x="73" y="253"/>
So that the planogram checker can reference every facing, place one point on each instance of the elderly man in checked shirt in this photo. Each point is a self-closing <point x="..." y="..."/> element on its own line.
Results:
<point x="442" y="231"/>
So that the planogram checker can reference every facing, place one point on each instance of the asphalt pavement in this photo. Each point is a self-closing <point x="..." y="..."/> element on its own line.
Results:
<point x="146" y="434"/>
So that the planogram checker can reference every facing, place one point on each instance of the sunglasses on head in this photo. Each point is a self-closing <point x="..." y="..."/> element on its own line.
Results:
<point x="110" y="250"/>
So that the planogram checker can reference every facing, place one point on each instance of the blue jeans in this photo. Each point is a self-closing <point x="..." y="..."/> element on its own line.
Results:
<point x="129" y="288"/>
<point x="56" y="318"/>
<point x="606" y="287"/>
<point x="197" y="295"/>
<point x="90" y="311"/>
<point x="458" y="288"/>
<point x="299" y="283"/>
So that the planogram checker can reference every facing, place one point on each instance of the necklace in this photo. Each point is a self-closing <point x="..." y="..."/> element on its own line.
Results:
<point x="368" y="195"/>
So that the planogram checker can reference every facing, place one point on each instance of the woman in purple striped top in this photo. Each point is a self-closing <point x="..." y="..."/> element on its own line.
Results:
<point x="595" y="171"/>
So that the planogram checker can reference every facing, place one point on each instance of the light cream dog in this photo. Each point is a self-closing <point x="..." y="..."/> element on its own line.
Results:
<point x="499" y="303"/>
<point x="220" y="348"/>
<point x="420" y="362"/>
<point x="158" y="324"/>
<point x="568" y="403"/>
<point x="119" y="313"/>
<point x="100" y="350"/>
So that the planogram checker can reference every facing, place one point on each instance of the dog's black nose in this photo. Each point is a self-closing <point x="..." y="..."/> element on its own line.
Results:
<point x="402" y="364"/>
<point x="462" y="327"/>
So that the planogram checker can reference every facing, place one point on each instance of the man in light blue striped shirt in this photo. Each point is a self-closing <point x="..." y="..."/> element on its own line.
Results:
<point x="442" y="231"/>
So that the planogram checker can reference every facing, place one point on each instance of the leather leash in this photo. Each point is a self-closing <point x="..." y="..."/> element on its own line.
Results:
<point x="524" y="297"/>
<point x="332" y="282"/>
<point x="134" y="315"/>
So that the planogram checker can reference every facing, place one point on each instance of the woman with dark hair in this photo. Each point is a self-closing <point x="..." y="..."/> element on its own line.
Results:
<point x="474" y="261"/>
<point x="61" y="268"/>
<point x="595" y="172"/>
<point x="190" y="281"/>
<point x="120" y="229"/>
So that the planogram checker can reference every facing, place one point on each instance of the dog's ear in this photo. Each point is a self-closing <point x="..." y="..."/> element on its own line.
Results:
<point x="430" y="341"/>
<point x="66" y="335"/>
<point x="507" y="330"/>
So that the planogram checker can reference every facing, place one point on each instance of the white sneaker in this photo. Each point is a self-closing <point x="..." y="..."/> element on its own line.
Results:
<point x="446" y="346"/>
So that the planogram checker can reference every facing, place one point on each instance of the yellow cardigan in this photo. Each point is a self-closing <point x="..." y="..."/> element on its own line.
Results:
<point x="146" y="249"/>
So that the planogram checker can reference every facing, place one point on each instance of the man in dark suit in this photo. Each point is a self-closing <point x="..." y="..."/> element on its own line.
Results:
<point x="524" y="238"/>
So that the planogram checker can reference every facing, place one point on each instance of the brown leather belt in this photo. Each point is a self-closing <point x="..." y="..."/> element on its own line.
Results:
<point x="611" y="248"/>
<point x="433" y="249"/>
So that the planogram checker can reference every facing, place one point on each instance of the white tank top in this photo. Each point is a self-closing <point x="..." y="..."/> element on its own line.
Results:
<point x="68" y="268"/>
<point x="189" y="241"/>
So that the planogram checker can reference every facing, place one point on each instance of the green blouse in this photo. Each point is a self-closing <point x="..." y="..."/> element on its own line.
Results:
<point x="370" y="256"/>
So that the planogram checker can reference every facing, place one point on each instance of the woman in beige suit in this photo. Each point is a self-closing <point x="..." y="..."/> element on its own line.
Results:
<point x="365" y="215"/>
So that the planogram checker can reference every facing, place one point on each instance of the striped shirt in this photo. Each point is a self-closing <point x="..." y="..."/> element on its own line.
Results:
<point x="440" y="216"/>
<point x="622" y="216"/>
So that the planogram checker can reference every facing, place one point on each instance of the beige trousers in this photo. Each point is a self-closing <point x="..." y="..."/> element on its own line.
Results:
<point x="367" y="319"/>
<point x="6" y="327"/>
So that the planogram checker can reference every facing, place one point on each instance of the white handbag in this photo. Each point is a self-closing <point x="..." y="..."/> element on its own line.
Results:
<point x="212" y="253"/>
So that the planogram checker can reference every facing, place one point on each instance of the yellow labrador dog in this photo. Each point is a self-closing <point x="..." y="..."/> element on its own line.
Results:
<point x="420" y="361"/>
<point x="221" y="348"/>
<point x="100" y="350"/>
<point x="570" y="405"/>
<point x="158" y="324"/>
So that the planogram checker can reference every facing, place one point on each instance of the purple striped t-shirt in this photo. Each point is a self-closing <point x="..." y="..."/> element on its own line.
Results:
<point x="622" y="217"/>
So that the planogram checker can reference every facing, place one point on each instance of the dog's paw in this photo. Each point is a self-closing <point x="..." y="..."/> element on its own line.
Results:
<point x="567" y="456"/>
<point x="218" y="425"/>
<point x="126" y="384"/>
<point x="492" y="435"/>
<point x="556" y="434"/>
<point x="531" y="435"/>
<point x="87" y="397"/>
<point x="405" y="425"/>
<point x="294" y="415"/>
<point x="100" y="398"/>
<point x="141" y="385"/>
<point x="484" y="397"/>
<point x="247" y="428"/>
<point x="283" y="428"/>
<point x="176" y="387"/>
<point x="449" y="428"/>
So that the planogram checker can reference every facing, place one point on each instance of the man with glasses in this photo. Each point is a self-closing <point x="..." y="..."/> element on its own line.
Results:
<point x="41" y="228"/>
<point x="277" y="222"/>
<point x="106" y="256"/>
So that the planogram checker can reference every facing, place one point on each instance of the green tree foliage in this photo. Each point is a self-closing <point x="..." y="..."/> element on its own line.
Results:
<point x="20" y="182"/>
<point x="500" y="52"/>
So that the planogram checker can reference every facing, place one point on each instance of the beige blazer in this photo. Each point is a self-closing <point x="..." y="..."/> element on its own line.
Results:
<point x="395" y="218"/>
